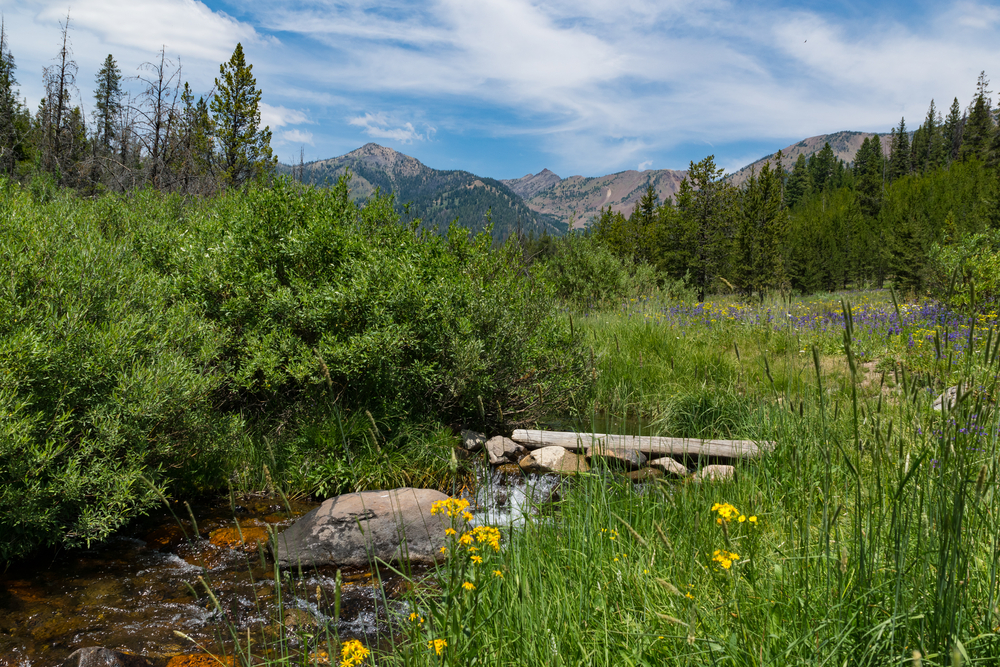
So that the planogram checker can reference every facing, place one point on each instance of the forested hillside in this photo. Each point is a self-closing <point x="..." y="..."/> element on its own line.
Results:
<point x="436" y="197"/>
<point x="909" y="218"/>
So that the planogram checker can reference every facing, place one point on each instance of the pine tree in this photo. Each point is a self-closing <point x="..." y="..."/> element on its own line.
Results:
<point x="978" y="131"/>
<point x="705" y="203"/>
<point x="821" y="166"/>
<point x="760" y="234"/>
<point x="799" y="182"/>
<point x="899" y="159"/>
<point x="244" y="148"/>
<point x="952" y="132"/>
<point x="15" y="122"/>
<point x="108" y="101"/>
<point x="868" y="175"/>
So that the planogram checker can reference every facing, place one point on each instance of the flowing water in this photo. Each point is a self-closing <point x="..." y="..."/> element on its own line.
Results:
<point x="134" y="592"/>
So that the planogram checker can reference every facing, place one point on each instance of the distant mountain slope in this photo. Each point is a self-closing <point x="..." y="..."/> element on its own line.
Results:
<point x="579" y="198"/>
<point x="435" y="196"/>
<point x="845" y="146"/>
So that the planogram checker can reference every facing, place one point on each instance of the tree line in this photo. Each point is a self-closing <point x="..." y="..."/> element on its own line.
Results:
<point x="821" y="223"/>
<point x="159" y="135"/>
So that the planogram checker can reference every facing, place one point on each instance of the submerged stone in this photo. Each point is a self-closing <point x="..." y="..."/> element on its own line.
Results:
<point x="98" y="656"/>
<point x="355" y="529"/>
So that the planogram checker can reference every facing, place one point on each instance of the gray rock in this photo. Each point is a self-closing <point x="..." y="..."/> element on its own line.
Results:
<point x="97" y="656"/>
<point x="947" y="399"/>
<point x="554" y="459"/>
<point x="356" y="528"/>
<point x="670" y="466"/>
<point x="473" y="441"/>
<point x="644" y="475"/>
<point x="616" y="458"/>
<point x="504" y="450"/>
<point x="715" y="473"/>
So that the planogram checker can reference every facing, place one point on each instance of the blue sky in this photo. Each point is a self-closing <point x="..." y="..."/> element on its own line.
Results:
<point x="507" y="87"/>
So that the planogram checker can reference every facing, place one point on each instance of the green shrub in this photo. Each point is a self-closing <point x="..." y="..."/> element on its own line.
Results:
<point x="157" y="336"/>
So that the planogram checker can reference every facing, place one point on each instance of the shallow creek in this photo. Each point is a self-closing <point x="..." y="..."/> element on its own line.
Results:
<point x="133" y="592"/>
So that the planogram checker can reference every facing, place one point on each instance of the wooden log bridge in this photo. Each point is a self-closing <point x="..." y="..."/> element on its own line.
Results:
<point x="649" y="445"/>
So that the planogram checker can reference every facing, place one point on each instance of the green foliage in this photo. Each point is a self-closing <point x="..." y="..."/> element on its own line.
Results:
<point x="105" y="378"/>
<point x="760" y="234"/>
<point x="244" y="148"/>
<point x="586" y="273"/>
<point x="966" y="274"/>
<point x="183" y="340"/>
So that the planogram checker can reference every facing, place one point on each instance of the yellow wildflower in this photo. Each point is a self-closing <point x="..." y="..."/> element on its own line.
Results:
<point x="452" y="507"/>
<point x="477" y="560"/>
<point x="437" y="645"/>
<point x="498" y="573"/>
<point x="469" y="586"/>
<point x="467" y="516"/>
<point x="465" y="539"/>
<point x="753" y="519"/>
<point x="352" y="653"/>
<point x="450" y="531"/>
<point x="725" y="558"/>
<point x="416" y="618"/>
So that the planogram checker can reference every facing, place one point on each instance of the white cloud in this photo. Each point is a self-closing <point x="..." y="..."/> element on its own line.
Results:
<point x="643" y="166"/>
<point x="186" y="27"/>
<point x="380" y="126"/>
<point x="296" y="137"/>
<point x="278" y="116"/>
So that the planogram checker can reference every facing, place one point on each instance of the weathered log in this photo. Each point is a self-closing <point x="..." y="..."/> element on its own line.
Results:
<point x="687" y="447"/>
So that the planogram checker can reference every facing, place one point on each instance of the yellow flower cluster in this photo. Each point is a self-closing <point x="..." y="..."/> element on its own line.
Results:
<point x="487" y="535"/>
<point x="469" y="586"/>
<point x="437" y="645"/>
<point x="452" y="507"/>
<point x="416" y="618"/>
<point x="352" y="653"/>
<point x="612" y="534"/>
<point x="728" y="512"/>
<point x="725" y="558"/>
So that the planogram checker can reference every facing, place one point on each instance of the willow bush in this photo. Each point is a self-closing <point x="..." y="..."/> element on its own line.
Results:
<point x="146" y="335"/>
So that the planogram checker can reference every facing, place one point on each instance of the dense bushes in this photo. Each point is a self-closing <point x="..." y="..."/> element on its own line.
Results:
<point x="140" y="335"/>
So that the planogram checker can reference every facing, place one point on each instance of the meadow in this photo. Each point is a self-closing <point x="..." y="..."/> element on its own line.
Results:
<point x="869" y="536"/>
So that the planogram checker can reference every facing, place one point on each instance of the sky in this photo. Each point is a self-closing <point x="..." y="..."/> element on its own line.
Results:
<point x="503" y="88"/>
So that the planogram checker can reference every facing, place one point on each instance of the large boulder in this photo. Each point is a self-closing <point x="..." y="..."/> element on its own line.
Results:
<point x="356" y="528"/>
<point x="98" y="656"/>
<point x="554" y="459"/>
<point x="504" y="450"/>
<point x="616" y="458"/>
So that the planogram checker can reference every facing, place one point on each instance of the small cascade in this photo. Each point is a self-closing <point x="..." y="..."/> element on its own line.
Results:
<point x="505" y="497"/>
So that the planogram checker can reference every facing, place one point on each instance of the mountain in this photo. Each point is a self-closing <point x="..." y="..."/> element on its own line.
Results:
<point x="436" y="197"/>
<point x="577" y="199"/>
<point x="845" y="146"/>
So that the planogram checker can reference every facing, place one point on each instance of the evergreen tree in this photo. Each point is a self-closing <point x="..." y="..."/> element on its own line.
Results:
<point x="108" y="101"/>
<point x="869" y="166"/>
<point x="760" y="234"/>
<point x="978" y="131"/>
<point x="899" y="159"/>
<point x="821" y="168"/>
<point x="244" y="148"/>
<point x="799" y="182"/>
<point x="15" y="123"/>
<point x="705" y="203"/>
<point x="952" y="132"/>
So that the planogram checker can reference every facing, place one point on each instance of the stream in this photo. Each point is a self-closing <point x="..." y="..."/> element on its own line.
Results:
<point x="134" y="592"/>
